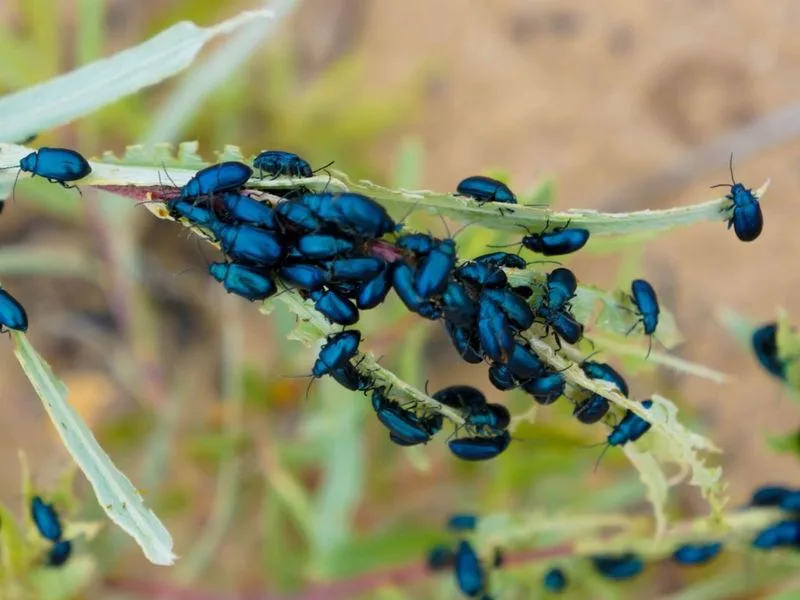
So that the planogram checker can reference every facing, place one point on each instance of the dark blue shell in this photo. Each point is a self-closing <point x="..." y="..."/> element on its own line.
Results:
<point x="279" y="162"/>
<point x="558" y="242"/>
<point x="247" y="282"/>
<point x="430" y="311"/>
<point x="646" y="301"/>
<point x="696" y="554"/>
<point x="458" y="305"/>
<point x="630" y="428"/>
<point x="746" y="217"/>
<point x="298" y="216"/>
<point x="791" y="501"/>
<point x="12" y="313"/>
<point x="403" y="282"/>
<point x="435" y="268"/>
<point x="619" y="567"/>
<point x="462" y="522"/>
<point x="359" y="268"/>
<point x="416" y="243"/>
<point x="480" y="448"/>
<point x="769" y="495"/>
<point x="371" y="293"/>
<point x="502" y="259"/>
<point x="334" y="353"/>
<point x="491" y="420"/>
<point x="466" y="342"/>
<point x="243" y="209"/>
<point x="307" y="277"/>
<point x="524" y="363"/>
<point x="518" y="311"/>
<point x="192" y="212"/>
<point x="494" y="331"/>
<point x="555" y="580"/>
<point x="561" y="286"/>
<point x="46" y="519"/>
<point x="222" y="177"/>
<point x="598" y="370"/>
<point x="591" y="410"/>
<point x="351" y="378"/>
<point x="563" y="323"/>
<point x="335" y="306"/>
<point x="358" y="215"/>
<point x="59" y="553"/>
<point x="463" y="397"/>
<point x="440" y="557"/>
<point x="765" y="346"/>
<point x="249" y="244"/>
<point x="319" y="246"/>
<point x="545" y="389"/>
<point x="403" y="424"/>
<point x="485" y="189"/>
<point x="56" y="164"/>
<point x="782" y="533"/>
<point x="481" y="275"/>
<point x="470" y="576"/>
<point x="501" y="377"/>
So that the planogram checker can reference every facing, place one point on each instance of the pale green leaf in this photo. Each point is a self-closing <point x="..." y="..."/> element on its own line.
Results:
<point x="72" y="95"/>
<point x="224" y="63"/>
<point x="66" y="582"/>
<point x="655" y="482"/>
<point x="115" y="493"/>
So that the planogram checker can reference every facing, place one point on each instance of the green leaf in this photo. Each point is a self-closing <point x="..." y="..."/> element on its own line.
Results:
<point x="64" y="583"/>
<point x="655" y="482"/>
<point x="13" y="553"/>
<point x="115" y="493"/>
<point x="489" y="215"/>
<point x="208" y="76"/>
<point x="72" y="95"/>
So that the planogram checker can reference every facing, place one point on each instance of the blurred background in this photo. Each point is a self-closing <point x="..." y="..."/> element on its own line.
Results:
<point x="624" y="105"/>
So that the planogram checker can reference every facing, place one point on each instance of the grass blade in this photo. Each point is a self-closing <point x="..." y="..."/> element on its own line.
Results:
<point x="115" y="493"/>
<point x="82" y="91"/>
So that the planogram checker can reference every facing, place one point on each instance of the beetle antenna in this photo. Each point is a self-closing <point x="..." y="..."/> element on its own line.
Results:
<point x="322" y="168"/>
<point x="599" y="458"/>
<point x="730" y="166"/>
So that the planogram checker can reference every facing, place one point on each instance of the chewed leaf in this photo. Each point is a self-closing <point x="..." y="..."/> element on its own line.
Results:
<point x="621" y="320"/>
<point x="519" y="217"/>
<point x="313" y="326"/>
<point x="685" y="449"/>
<point x="668" y="440"/>
<point x="446" y="204"/>
<point x="115" y="493"/>
<point x="655" y="482"/>
<point x="611" y="317"/>
<point x="72" y="95"/>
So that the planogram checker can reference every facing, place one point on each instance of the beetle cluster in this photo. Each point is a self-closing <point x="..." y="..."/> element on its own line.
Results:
<point x="46" y="520"/>
<point x="344" y="252"/>
<point x="471" y="573"/>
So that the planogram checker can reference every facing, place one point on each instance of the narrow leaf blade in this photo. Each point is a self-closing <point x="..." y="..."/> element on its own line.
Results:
<point x="116" y="494"/>
<point x="72" y="95"/>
